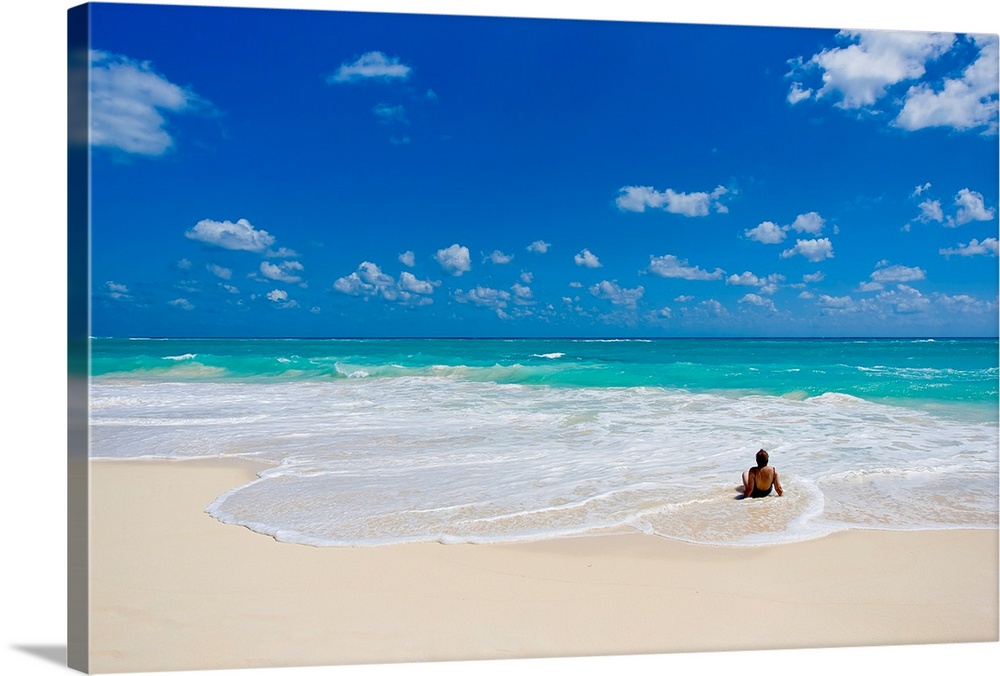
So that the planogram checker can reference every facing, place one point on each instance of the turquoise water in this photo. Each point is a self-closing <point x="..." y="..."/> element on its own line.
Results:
<point x="961" y="371"/>
<point x="382" y="441"/>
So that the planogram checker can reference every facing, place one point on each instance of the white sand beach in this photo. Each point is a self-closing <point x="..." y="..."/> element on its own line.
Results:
<point x="174" y="589"/>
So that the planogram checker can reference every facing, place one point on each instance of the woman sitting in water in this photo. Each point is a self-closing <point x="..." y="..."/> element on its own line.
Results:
<point x="757" y="481"/>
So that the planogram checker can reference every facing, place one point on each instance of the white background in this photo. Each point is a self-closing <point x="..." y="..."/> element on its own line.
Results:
<point x="32" y="298"/>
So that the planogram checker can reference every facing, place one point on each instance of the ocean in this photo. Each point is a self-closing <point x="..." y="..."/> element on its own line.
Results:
<point x="379" y="441"/>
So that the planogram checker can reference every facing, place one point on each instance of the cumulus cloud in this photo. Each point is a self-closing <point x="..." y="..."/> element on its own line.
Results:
<point x="869" y="73"/>
<point x="673" y="267"/>
<point x="897" y="273"/>
<point x="182" y="303"/>
<point x="116" y="290"/>
<point x="891" y="274"/>
<point x="482" y="296"/>
<point x="408" y="282"/>
<point x="971" y="207"/>
<point x="930" y="210"/>
<point x="988" y="247"/>
<point x="587" y="259"/>
<point x="637" y="198"/>
<point x="839" y="303"/>
<point x="522" y="292"/>
<point x="758" y="301"/>
<point x="811" y="223"/>
<point x="904" y="300"/>
<point x="280" y="298"/>
<point x="861" y="72"/>
<point x="283" y="272"/>
<point x="967" y="102"/>
<point x="767" y="285"/>
<point x="370" y="66"/>
<point x="369" y="280"/>
<point x="814" y="277"/>
<point x="611" y="291"/>
<point x="538" y="246"/>
<point x="499" y="258"/>
<point x="813" y="250"/>
<point x="454" y="260"/>
<point x="766" y="233"/>
<point x="527" y="277"/>
<point x="238" y="236"/>
<point x="128" y="103"/>
<point x="407" y="258"/>
<point x="219" y="271"/>
<point x="772" y="233"/>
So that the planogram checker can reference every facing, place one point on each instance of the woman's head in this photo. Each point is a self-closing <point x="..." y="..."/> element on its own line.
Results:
<point x="762" y="458"/>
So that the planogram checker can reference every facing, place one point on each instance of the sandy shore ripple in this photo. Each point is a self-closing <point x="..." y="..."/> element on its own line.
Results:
<point x="174" y="589"/>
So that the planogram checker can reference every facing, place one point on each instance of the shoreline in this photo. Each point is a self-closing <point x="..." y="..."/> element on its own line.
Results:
<point x="194" y="593"/>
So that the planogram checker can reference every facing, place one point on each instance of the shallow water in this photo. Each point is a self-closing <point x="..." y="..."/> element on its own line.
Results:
<point x="482" y="441"/>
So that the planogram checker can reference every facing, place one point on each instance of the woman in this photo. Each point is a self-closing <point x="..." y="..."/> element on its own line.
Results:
<point x="758" y="481"/>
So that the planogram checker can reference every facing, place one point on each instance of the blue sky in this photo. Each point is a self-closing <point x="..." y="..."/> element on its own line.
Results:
<point x="304" y="173"/>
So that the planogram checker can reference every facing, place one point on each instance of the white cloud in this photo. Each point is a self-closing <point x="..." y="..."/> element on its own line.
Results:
<point x="870" y="71"/>
<point x="281" y="252"/>
<point x="814" y="277"/>
<point x="766" y="233"/>
<point x="898" y="273"/>
<point x="862" y="72"/>
<point x="798" y="93"/>
<point x="811" y="223"/>
<point x="353" y="286"/>
<point x="672" y="267"/>
<point x="963" y="103"/>
<point x="813" y="250"/>
<point x="483" y="296"/>
<point x="905" y="300"/>
<point x="527" y="277"/>
<point x="454" y="260"/>
<point x="712" y="308"/>
<point x="238" y="236"/>
<point x="920" y="189"/>
<point x="759" y="301"/>
<point x="407" y="258"/>
<point x="371" y="65"/>
<point x="930" y="210"/>
<point x="683" y="299"/>
<point x="369" y="280"/>
<point x="283" y="272"/>
<point x="280" y="298"/>
<point x="407" y="282"/>
<point x="128" y="100"/>
<point x="116" y="289"/>
<point x="182" y="303"/>
<point x="637" y="198"/>
<point x="219" y="271"/>
<point x="522" y="292"/>
<point x="971" y="207"/>
<point x="988" y="247"/>
<point x="587" y="259"/>
<point x="768" y="285"/>
<point x="843" y="303"/>
<point x="538" y="246"/>
<point x="609" y="290"/>
<point x="499" y="258"/>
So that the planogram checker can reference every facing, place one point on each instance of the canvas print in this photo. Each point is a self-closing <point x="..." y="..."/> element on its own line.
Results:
<point x="410" y="338"/>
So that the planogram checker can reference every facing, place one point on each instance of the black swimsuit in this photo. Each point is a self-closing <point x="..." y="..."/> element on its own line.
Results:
<point x="761" y="492"/>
